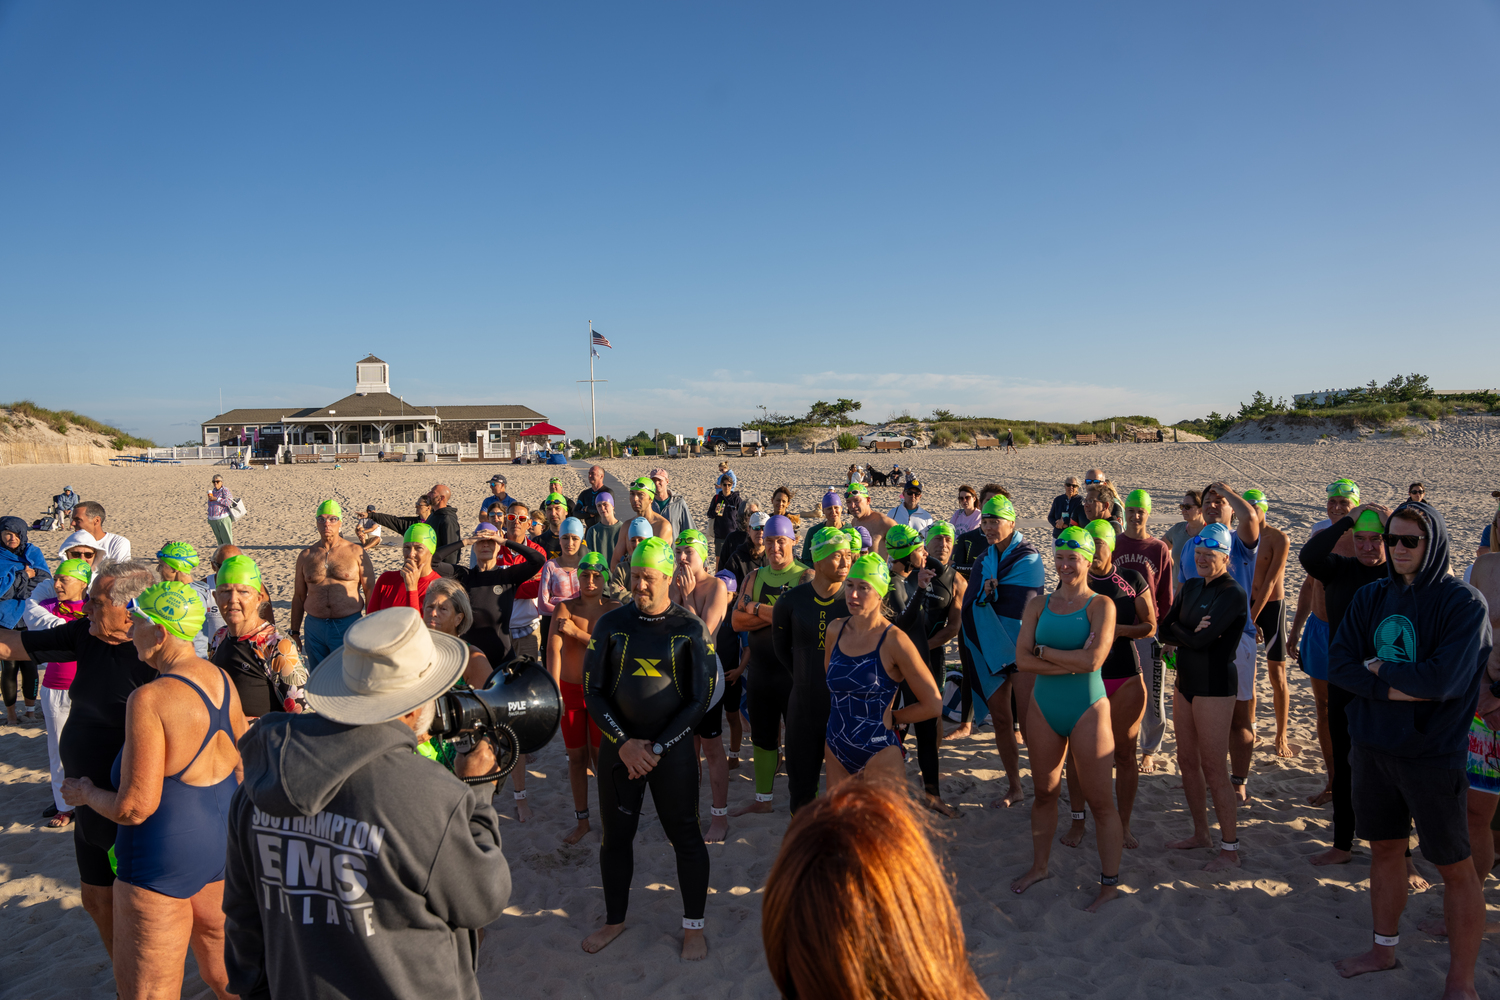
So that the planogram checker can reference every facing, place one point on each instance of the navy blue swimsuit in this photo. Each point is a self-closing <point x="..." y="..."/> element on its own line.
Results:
<point x="180" y="848"/>
<point x="859" y="692"/>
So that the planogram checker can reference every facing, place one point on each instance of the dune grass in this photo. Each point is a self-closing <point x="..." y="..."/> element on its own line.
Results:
<point x="62" y="421"/>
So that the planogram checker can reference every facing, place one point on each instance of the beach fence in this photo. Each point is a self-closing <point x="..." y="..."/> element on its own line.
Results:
<point x="300" y="453"/>
<point x="27" y="453"/>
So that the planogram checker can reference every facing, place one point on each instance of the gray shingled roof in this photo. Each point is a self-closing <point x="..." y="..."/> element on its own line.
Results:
<point x="380" y="406"/>
<point x="262" y="415"/>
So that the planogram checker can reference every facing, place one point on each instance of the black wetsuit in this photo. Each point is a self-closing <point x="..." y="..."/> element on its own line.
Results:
<point x="968" y="549"/>
<point x="922" y="613"/>
<point x="650" y="678"/>
<point x="770" y="680"/>
<point x="799" y="621"/>
<point x="492" y="593"/>
<point x="1205" y="658"/>
<point x="1122" y="587"/>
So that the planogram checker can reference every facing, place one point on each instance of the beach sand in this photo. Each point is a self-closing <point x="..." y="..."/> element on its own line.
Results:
<point x="1270" y="929"/>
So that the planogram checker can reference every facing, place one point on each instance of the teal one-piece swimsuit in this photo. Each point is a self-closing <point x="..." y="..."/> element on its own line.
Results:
<point x="1064" y="698"/>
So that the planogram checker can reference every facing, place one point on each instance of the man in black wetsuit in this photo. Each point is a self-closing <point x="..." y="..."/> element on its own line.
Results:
<point x="798" y="622"/>
<point x="648" y="677"/>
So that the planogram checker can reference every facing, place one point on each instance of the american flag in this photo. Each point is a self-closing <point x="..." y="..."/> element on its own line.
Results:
<point x="601" y="341"/>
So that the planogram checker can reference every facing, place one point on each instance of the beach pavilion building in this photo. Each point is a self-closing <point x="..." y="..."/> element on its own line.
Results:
<point x="372" y="420"/>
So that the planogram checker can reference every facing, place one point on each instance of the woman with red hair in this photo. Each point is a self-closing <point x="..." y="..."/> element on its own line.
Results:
<point x="856" y="906"/>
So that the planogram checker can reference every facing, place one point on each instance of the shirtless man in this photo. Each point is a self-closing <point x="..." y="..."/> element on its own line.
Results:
<point x="642" y="492"/>
<point x="1268" y="612"/>
<point x="862" y="515"/>
<point x="572" y="622"/>
<point x="332" y="585"/>
<point x="705" y="595"/>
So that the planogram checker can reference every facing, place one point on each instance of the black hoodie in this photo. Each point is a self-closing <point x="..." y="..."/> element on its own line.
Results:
<point x="1433" y="639"/>
<point x="356" y="868"/>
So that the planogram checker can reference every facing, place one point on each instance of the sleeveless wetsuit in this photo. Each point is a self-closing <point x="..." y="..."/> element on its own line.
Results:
<point x="770" y="681"/>
<point x="859" y="691"/>
<point x="800" y="621"/>
<point x="651" y="678"/>
<point x="1064" y="698"/>
<point x="180" y="848"/>
<point x="1122" y="587"/>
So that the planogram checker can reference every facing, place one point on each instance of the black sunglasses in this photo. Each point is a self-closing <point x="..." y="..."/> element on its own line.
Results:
<point x="1407" y="541"/>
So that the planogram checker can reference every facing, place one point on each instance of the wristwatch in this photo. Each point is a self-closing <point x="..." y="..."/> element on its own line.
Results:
<point x="658" y="749"/>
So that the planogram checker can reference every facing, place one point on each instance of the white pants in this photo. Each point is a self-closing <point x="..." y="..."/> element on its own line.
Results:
<point x="1154" y="723"/>
<point x="55" y="708"/>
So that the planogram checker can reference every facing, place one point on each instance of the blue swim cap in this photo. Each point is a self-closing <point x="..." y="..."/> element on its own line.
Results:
<point x="1214" y="537"/>
<point x="641" y="528"/>
<point x="571" y="526"/>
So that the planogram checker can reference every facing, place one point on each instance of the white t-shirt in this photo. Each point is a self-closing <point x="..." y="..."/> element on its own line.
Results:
<point x="919" y="520"/>
<point x="116" y="547"/>
<point x="369" y="527"/>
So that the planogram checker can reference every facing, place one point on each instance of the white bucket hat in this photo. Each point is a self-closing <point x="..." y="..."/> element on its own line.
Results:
<point x="390" y="664"/>
<point x="81" y="539"/>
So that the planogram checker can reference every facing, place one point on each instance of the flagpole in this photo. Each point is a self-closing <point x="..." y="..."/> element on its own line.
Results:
<point x="593" y="409"/>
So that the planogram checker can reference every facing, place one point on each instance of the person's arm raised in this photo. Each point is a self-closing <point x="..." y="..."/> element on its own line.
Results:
<point x="11" y="647"/>
<point x="1249" y="528"/>
<point x="531" y="564"/>
<point x="905" y="663"/>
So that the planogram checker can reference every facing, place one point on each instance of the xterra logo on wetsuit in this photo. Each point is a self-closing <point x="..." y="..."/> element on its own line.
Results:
<point x="647" y="668"/>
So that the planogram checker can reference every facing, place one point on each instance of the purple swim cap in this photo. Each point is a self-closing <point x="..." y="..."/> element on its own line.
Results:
<point x="605" y="497"/>
<point x="780" y="526"/>
<point x="864" y="537"/>
<point x="730" y="583"/>
<point x="832" y="499"/>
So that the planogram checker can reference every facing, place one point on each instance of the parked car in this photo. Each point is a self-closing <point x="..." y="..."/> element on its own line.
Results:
<point x="869" y="440"/>
<point x="721" y="439"/>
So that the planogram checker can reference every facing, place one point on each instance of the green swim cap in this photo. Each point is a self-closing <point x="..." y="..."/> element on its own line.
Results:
<point x="857" y="488"/>
<point x="555" y="500"/>
<point x="592" y="562"/>
<point x="830" y="541"/>
<point x="1139" y="498"/>
<point x="330" y="508"/>
<point x="940" y="528"/>
<point x="901" y="540"/>
<point x="1102" y="531"/>
<point x="1369" y="520"/>
<point x="238" y="571"/>
<point x="423" y="535"/>
<point x="872" y="570"/>
<point x="1075" y="538"/>
<point x="653" y="553"/>
<point x="1343" y="488"/>
<point x="643" y="485"/>
<point x="855" y="541"/>
<point x="174" y="606"/>
<point x="692" y="538"/>
<point x="999" y="506"/>
<point x="179" y="555"/>
<point x="76" y="568"/>
<point x="1256" y="498"/>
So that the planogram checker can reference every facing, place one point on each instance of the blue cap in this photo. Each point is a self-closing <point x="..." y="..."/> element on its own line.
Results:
<point x="780" y="526"/>
<point x="571" y="526"/>
<point x="641" y="528"/>
<point x="1214" y="537"/>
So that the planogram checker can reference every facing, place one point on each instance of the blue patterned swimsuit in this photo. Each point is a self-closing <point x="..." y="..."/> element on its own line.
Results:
<point x="859" y="691"/>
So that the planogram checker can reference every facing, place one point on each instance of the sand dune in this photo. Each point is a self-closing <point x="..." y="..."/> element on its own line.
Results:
<point x="1268" y="930"/>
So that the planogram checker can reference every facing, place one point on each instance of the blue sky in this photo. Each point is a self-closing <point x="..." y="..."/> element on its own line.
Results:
<point x="1038" y="211"/>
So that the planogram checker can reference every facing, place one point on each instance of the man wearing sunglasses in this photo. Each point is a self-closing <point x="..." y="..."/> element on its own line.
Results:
<point x="1065" y="507"/>
<point x="443" y="520"/>
<point x="525" y="620"/>
<point x="1415" y="651"/>
<point x="865" y="516"/>
<point x="910" y="511"/>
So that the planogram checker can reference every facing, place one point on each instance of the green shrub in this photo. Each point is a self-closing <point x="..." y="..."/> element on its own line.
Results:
<point x="847" y="442"/>
<point x="1022" y="439"/>
<point x="941" y="438"/>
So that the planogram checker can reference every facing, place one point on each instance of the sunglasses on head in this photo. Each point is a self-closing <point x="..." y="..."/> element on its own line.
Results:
<point x="1406" y="541"/>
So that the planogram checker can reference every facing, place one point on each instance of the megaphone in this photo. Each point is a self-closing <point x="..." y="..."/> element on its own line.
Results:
<point x="518" y="711"/>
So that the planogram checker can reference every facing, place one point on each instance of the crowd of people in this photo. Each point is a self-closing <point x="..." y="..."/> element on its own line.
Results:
<point x="271" y="796"/>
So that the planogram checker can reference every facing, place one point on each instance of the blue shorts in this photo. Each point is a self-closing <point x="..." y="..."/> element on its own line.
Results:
<point x="321" y="636"/>
<point x="1314" y="648"/>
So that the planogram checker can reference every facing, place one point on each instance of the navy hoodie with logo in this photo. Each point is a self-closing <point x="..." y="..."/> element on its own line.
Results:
<point x="1433" y="638"/>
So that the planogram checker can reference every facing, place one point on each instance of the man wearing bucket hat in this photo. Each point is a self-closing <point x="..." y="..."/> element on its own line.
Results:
<point x="648" y="677"/>
<point x="353" y="862"/>
<point x="333" y="576"/>
<point x="176" y="561"/>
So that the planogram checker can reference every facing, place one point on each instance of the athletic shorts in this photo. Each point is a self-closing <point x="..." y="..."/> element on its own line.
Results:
<point x="1484" y="757"/>
<point x="577" y="724"/>
<point x="1390" y="793"/>
<point x="93" y="836"/>
<point x="1244" y="664"/>
<point x="1314" y="648"/>
<point x="1272" y="625"/>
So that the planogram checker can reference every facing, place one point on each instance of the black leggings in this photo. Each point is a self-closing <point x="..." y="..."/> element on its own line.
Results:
<point x="927" y="730"/>
<point x="770" y="690"/>
<point x="8" y="680"/>
<point x="1343" y="795"/>
<point x="674" y="792"/>
<point x="806" y="735"/>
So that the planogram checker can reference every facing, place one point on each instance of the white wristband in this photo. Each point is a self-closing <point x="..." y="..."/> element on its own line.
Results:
<point x="716" y="811"/>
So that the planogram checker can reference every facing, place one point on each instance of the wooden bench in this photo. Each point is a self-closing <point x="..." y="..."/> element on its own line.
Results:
<point x="1145" y="437"/>
<point x="346" y="457"/>
<point x="751" y="450"/>
<point x="984" y="442"/>
<point x="304" y="459"/>
<point x="1086" y="439"/>
<point x="889" y="446"/>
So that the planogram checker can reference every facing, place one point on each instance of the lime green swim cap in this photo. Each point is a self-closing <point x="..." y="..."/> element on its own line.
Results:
<point x="238" y="571"/>
<point x="1343" y="488"/>
<point x="692" y="538"/>
<point x="643" y="485"/>
<point x="941" y="528"/>
<point x="1256" y="498"/>
<point x="901" y="540"/>
<point x="330" y="508"/>
<point x="653" y="553"/>
<point x="423" y="535"/>
<point x="872" y="570"/>
<point x="174" y="606"/>
<point x="1075" y="538"/>
<point x="1139" y="498"/>
<point x="999" y="506"/>
<point x="1369" y="520"/>
<point x="1102" y="531"/>
<point x="179" y="555"/>
<point x="592" y="562"/>
<point x="855" y="541"/>
<point x="76" y="568"/>
<point x="859" y="488"/>
<point x="830" y="541"/>
<point x="555" y="500"/>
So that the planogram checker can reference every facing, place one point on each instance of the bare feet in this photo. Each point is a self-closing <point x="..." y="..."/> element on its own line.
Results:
<point x="1028" y="880"/>
<point x="1130" y="842"/>
<point x="1414" y="880"/>
<point x="1106" y="893"/>
<point x="694" y="946"/>
<point x="578" y="832"/>
<point x="1242" y="792"/>
<point x="752" y="807"/>
<point x="937" y="805"/>
<point x="959" y="732"/>
<point x="1225" y="861"/>
<point x="1322" y="798"/>
<point x="1332" y="856"/>
<point x="1188" y="843"/>
<point x="733" y="764"/>
<point x="718" y="829"/>
<point x="1148" y="764"/>
<point x="1285" y="749"/>
<point x="523" y="810"/>
<point x="1074" y="835"/>
<point x="596" y="941"/>
<point x="1014" y="797"/>
<point x="1377" y="959"/>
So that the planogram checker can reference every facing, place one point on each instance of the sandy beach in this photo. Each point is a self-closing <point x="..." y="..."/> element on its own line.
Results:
<point x="1269" y="930"/>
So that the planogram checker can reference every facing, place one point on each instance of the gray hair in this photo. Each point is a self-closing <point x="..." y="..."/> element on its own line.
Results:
<point x="128" y="580"/>
<point x="457" y="596"/>
<point x="92" y="508"/>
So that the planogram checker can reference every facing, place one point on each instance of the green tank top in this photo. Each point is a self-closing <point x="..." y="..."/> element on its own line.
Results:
<point x="771" y="583"/>
<point x="1069" y="631"/>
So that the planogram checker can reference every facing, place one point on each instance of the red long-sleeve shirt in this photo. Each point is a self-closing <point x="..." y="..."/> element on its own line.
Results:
<point x="391" y="592"/>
